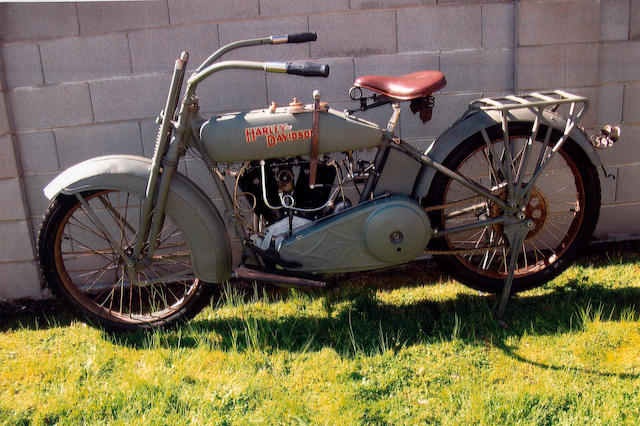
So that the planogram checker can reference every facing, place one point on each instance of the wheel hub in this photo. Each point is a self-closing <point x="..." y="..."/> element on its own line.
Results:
<point x="535" y="211"/>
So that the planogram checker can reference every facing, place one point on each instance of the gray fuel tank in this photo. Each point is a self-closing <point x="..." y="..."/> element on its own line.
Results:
<point x="375" y="234"/>
<point x="262" y="134"/>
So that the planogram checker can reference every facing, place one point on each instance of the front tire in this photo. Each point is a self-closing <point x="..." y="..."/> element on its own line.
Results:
<point x="80" y="265"/>
<point x="564" y="208"/>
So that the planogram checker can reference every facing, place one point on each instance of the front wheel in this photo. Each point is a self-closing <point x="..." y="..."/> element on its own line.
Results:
<point x="563" y="207"/>
<point x="80" y="265"/>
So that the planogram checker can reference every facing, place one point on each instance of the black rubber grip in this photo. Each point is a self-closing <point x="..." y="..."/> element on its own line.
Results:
<point x="308" y="69"/>
<point x="301" y="37"/>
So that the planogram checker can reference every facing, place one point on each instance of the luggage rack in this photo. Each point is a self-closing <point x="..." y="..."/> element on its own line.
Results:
<point x="532" y="100"/>
<point x="537" y="103"/>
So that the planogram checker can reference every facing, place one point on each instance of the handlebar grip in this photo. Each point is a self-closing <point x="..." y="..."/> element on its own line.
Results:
<point x="301" y="37"/>
<point x="308" y="69"/>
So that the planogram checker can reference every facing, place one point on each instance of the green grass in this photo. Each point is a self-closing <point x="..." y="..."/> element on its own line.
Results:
<point x="393" y="347"/>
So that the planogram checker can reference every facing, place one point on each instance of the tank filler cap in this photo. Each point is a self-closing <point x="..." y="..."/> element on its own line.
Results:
<point x="295" y="106"/>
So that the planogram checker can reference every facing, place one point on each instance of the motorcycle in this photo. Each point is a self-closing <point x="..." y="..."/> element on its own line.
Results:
<point x="504" y="199"/>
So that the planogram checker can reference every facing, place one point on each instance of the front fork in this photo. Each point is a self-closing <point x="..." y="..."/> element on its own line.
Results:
<point x="163" y="165"/>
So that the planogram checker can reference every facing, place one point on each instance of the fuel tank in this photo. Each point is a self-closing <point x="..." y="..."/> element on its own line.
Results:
<point x="283" y="132"/>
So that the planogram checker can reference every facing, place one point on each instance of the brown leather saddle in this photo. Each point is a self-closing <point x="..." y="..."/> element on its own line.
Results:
<point x="405" y="87"/>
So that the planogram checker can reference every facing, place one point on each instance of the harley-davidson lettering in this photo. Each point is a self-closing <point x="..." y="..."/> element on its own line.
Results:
<point x="276" y="134"/>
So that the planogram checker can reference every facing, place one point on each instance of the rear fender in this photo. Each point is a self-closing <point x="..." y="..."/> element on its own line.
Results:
<point x="447" y="142"/>
<point x="203" y="227"/>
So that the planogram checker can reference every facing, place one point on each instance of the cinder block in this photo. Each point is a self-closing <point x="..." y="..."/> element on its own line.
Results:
<point x="590" y="119"/>
<point x="85" y="58"/>
<point x="19" y="280"/>
<point x="24" y="21"/>
<point x="50" y="106"/>
<point x="354" y="34"/>
<point x="101" y="17"/>
<point x="12" y="206"/>
<point x="16" y="241"/>
<point x="378" y="4"/>
<point x="627" y="185"/>
<point x="439" y="28"/>
<point x="156" y="50"/>
<point x="631" y="106"/>
<point x="234" y="31"/>
<point x="129" y="97"/>
<point x="626" y="151"/>
<point x="554" y="22"/>
<point x="4" y="119"/>
<point x="448" y="108"/>
<point x="609" y="105"/>
<point x="498" y="25"/>
<point x="581" y="66"/>
<point x="8" y="167"/>
<point x="608" y="186"/>
<point x="477" y="70"/>
<point x="286" y="8"/>
<point x="22" y="65"/>
<point x="396" y="64"/>
<point x="234" y="90"/>
<point x="634" y="20"/>
<point x="211" y="10"/>
<point x="540" y="67"/>
<point x="281" y="88"/>
<point x="619" y="62"/>
<point x="614" y="19"/>
<point x="614" y="222"/>
<point x="38" y="152"/>
<point x="76" y="144"/>
<point x="197" y="172"/>
<point x="36" y="200"/>
<point x="149" y="130"/>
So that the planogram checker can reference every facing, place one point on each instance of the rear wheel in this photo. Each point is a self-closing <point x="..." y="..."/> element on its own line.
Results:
<point x="563" y="208"/>
<point x="80" y="265"/>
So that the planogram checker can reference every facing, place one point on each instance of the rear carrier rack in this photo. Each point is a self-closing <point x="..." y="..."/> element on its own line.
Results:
<point x="537" y="103"/>
<point x="546" y="100"/>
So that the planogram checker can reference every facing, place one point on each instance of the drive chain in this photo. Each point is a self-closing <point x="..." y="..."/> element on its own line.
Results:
<point x="460" y="251"/>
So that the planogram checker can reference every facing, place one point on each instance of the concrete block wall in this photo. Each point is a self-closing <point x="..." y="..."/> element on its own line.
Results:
<point x="87" y="79"/>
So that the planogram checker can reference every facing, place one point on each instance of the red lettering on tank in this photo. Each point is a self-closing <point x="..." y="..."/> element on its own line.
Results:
<point x="250" y="135"/>
<point x="276" y="134"/>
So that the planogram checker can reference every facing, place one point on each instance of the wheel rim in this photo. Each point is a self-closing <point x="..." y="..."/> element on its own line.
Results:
<point x="91" y="269"/>
<point x="556" y="208"/>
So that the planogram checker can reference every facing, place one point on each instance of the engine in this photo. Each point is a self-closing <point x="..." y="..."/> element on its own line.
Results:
<point x="277" y="191"/>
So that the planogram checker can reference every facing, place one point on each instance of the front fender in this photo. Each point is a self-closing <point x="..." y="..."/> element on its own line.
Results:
<point x="203" y="227"/>
<point x="465" y="128"/>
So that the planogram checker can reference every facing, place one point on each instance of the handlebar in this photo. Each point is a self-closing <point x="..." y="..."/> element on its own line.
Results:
<point x="301" y="37"/>
<point x="308" y="69"/>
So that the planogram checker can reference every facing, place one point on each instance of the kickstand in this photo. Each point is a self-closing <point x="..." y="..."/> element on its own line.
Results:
<point x="516" y="234"/>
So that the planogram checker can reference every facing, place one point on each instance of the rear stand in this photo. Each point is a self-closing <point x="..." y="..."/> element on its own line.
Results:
<point x="516" y="234"/>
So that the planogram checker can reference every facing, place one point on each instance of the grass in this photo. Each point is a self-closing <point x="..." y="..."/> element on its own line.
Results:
<point x="407" y="347"/>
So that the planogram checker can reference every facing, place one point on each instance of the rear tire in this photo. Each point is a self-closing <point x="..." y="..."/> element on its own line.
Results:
<point x="567" y="197"/>
<point x="80" y="266"/>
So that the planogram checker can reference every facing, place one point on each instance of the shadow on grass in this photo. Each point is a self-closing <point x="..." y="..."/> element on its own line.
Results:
<point x="355" y="321"/>
<point x="368" y="326"/>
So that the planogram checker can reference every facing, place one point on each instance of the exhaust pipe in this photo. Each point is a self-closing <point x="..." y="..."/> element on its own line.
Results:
<point x="275" y="278"/>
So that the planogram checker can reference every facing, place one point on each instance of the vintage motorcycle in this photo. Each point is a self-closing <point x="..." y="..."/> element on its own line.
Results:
<point x="504" y="199"/>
